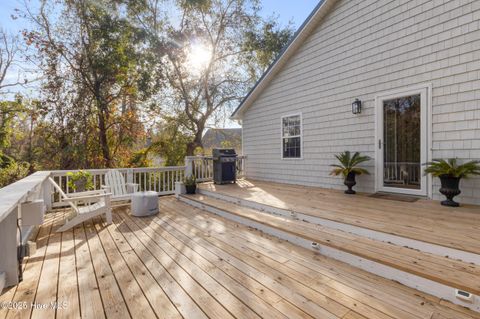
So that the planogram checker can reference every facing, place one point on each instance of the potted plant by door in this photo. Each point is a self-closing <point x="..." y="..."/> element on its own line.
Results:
<point x="190" y="184"/>
<point x="348" y="168"/>
<point x="450" y="174"/>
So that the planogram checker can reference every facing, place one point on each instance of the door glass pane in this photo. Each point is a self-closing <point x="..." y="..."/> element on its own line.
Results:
<point x="402" y="144"/>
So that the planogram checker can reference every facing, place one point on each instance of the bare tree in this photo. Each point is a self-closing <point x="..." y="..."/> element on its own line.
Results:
<point x="9" y="53"/>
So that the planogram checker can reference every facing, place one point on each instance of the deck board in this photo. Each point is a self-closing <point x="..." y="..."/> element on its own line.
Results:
<point x="424" y="220"/>
<point x="187" y="263"/>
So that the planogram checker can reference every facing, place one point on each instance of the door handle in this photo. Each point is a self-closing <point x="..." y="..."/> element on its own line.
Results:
<point x="379" y="144"/>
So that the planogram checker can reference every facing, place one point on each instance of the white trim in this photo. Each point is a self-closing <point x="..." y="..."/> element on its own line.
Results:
<point x="427" y="247"/>
<point x="413" y="281"/>
<point x="282" y="137"/>
<point x="426" y="114"/>
<point x="2" y="281"/>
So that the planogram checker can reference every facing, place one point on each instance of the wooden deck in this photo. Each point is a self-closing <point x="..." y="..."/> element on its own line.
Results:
<point x="423" y="220"/>
<point x="186" y="263"/>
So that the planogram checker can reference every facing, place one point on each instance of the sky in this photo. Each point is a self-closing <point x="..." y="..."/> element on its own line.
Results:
<point x="287" y="10"/>
<point x="295" y="11"/>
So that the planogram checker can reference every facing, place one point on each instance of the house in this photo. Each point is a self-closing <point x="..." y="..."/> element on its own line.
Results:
<point x="219" y="138"/>
<point x="415" y="68"/>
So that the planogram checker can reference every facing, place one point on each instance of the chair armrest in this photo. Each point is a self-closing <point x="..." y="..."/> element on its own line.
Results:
<point x="87" y="193"/>
<point x="87" y="198"/>
<point x="131" y="187"/>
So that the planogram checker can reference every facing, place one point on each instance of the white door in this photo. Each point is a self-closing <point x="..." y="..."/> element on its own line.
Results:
<point x="402" y="142"/>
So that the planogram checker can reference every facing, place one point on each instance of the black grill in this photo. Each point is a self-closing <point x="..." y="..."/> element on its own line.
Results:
<point x="224" y="165"/>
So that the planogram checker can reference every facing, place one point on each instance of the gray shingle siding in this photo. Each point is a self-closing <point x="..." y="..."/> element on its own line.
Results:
<point x="362" y="48"/>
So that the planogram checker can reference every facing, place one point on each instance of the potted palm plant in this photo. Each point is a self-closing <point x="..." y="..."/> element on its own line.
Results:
<point x="450" y="174"/>
<point x="349" y="169"/>
<point x="190" y="184"/>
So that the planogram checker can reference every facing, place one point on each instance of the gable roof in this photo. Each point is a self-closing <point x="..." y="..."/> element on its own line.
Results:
<point x="214" y="137"/>
<point x="299" y="37"/>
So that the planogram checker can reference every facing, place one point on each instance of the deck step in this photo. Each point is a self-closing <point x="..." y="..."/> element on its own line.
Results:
<point x="428" y="247"/>
<point x="437" y="275"/>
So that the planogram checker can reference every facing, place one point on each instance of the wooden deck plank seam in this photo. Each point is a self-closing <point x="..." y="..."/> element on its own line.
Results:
<point x="180" y="213"/>
<point x="103" y="221"/>
<point x="165" y="237"/>
<point x="382" y="278"/>
<point x="187" y="272"/>
<point x="170" y="222"/>
<point x="410" y="279"/>
<point x="146" y="266"/>
<point x="115" y="220"/>
<point x="109" y="265"/>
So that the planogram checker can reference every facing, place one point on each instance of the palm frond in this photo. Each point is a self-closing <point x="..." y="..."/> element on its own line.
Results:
<point x="450" y="167"/>
<point x="348" y="163"/>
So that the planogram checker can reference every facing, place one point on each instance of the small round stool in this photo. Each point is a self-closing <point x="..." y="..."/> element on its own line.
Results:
<point x="144" y="204"/>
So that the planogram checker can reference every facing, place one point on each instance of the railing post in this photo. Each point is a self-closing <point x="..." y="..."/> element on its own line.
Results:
<point x="130" y="176"/>
<point x="189" y="166"/>
<point x="8" y="247"/>
<point x="47" y="194"/>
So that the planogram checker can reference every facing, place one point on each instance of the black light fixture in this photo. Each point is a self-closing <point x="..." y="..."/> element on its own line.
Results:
<point x="357" y="106"/>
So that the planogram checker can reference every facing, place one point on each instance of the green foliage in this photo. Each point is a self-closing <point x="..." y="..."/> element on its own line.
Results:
<point x="190" y="180"/>
<point x="12" y="173"/>
<point x="452" y="168"/>
<point x="169" y="143"/>
<point x="264" y="44"/>
<point x="348" y="164"/>
<point x="80" y="181"/>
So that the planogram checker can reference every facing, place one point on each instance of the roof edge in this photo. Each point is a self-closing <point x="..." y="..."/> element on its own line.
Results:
<point x="303" y="31"/>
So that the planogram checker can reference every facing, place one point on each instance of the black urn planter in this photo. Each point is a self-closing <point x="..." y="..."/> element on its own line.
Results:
<point x="450" y="189"/>
<point x="191" y="189"/>
<point x="350" y="182"/>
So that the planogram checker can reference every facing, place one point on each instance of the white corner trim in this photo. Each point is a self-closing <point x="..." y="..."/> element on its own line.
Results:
<point x="2" y="281"/>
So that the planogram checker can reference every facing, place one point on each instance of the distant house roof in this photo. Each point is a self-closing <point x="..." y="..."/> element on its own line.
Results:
<point x="302" y="33"/>
<point x="214" y="138"/>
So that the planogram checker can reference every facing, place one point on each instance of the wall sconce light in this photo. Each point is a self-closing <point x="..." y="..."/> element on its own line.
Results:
<point x="357" y="106"/>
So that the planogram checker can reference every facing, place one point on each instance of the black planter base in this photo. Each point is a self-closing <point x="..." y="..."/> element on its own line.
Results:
<point x="450" y="203"/>
<point x="350" y="182"/>
<point x="191" y="189"/>
<point x="450" y="189"/>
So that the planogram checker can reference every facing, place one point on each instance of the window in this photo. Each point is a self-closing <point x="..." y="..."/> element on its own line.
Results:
<point x="292" y="136"/>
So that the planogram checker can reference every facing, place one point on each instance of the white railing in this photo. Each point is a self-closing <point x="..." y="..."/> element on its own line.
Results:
<point x="202" y="167"/>
<point x="405" y="173"/>
<point x="12" y="198"/>
<point x="157" y="179"/>
<point x="37" y="187"/>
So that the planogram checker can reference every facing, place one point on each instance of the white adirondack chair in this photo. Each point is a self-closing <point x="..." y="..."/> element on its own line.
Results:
<point x="115" y="184"/>
<point x="93" y="203"/>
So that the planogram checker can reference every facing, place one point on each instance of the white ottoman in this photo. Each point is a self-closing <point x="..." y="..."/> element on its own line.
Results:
<point x="144" y="204"/>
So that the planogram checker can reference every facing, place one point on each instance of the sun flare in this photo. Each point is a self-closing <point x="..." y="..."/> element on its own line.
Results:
<point x="199" y="57"/>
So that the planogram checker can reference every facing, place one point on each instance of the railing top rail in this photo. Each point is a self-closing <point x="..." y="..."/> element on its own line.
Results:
<point x="209" y="157"/>
<point x="123" y="170"/>
<point x="13" y="194"/>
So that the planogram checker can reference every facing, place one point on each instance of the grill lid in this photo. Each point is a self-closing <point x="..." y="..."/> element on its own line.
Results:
<point x="223" y="152"/>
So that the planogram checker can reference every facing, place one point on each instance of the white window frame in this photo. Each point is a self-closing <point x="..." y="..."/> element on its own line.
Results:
<point x="282" y="137"/>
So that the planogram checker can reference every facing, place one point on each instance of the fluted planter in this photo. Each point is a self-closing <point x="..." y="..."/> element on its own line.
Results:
<point x="350" y="182"/>
<point x="450" y="188"/>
